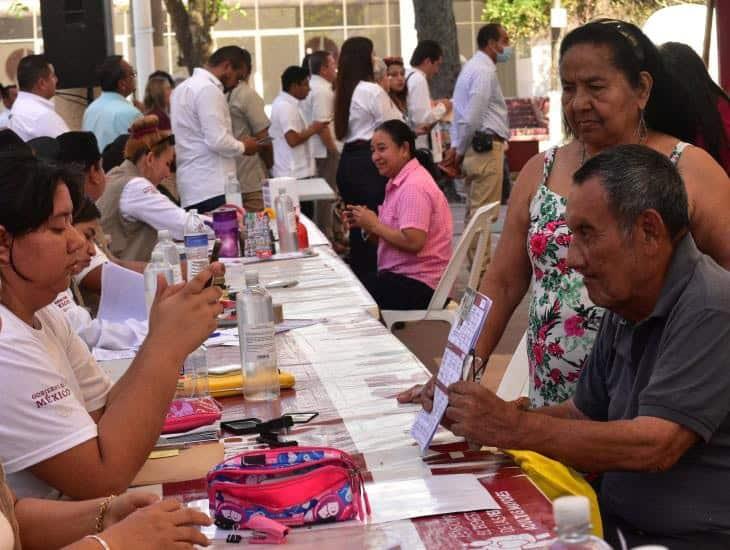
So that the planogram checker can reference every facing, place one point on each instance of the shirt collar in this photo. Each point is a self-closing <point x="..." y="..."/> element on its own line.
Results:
<point x="30" y="96"/>
<point x="205" y="73"/>
<point x="484" y="57"/>
<point x="318" y="79"/>
<point x="408" y="167"/>
<point x="113" y="95"/>
<point x="681" y="268"/>
<point x="286" y="96"/>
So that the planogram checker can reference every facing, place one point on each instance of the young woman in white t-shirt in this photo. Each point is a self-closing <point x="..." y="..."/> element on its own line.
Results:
<point x="360" y="106"/>
<point x="66" y="429"/>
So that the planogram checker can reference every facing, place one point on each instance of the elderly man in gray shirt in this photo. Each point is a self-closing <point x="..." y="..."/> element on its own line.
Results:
<point x="651" y="408"/>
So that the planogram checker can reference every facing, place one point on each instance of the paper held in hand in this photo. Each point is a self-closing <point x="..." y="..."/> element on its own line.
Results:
<point x="459" y="349"/>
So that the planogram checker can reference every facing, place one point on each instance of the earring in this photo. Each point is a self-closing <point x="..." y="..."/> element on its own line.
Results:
<point x="642" y="132"/>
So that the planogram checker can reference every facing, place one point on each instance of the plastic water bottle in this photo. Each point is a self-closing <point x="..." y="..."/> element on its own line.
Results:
<point x="573" y="525"/>
<point x="156" y="266"/>
<point x="193" y="382"/>
<point x="196" y="243"/>
<point x="233" y="191"/>
<point x="255" y="312"/>
<point x="170" y="253"/>
<point x="286" y="222"/>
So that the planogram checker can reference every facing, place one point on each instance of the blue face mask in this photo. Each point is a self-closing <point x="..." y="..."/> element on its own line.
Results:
<point x="504" y="55"/>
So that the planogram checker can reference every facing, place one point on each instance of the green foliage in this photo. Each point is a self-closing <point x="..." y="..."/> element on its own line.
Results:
<point x="528" y="19"/>
<point x="18" y="9"/>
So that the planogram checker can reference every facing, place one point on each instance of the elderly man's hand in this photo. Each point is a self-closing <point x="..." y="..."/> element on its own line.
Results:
<point x="481" y="417"/>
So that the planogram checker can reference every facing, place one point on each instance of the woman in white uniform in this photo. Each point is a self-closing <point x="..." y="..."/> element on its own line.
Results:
<point x="132" y="208"/>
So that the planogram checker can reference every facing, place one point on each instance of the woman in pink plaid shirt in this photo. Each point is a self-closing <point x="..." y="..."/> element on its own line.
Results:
<point x="413" y="228"/>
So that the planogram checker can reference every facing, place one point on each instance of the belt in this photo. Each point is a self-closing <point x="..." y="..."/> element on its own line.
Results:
<point x="495" y="137"/>
<point x="357" y="145"/>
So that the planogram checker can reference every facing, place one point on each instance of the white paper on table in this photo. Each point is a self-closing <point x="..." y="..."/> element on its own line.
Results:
<point x="122" y="294"/>
<point x="430" y="496"/>
<point x="462" y="338"/>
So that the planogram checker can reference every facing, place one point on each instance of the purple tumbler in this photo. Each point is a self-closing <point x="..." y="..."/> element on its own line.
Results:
<point x="225" y="226"/>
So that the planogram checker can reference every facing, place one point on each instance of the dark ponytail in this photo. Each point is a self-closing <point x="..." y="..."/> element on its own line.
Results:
<point x="401" y="134"/>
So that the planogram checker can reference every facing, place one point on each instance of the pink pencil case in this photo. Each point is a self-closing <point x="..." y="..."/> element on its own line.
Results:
<point x="294" y="486"/>
<point x="187" y="414"/>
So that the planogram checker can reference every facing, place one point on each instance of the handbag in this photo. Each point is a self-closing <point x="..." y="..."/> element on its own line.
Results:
<point x="294" y="486"/>
<point x="187" y="414"/>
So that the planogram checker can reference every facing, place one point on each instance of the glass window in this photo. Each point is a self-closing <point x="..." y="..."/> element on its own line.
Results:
<point x="377" y="35"/>
<point x="462" y="11"/>
<point x="12" y="53"/>
<point x="279" y="17"/>
<point x="238" y="19"/>
<point x="278" y="52"/>
<point x="330" y="41"/>
<point x="395" y="41"/>
<point x="394" y="12"/>
<point x="120" y="14"/>
<point x="328" y="15"/>
<point x="245" y="42"/>
<point x="366" y="12"/>
<point x="16" y="27"/>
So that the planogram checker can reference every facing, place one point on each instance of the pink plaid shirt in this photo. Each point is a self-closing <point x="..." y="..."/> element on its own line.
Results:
<point x="414" y="201"/>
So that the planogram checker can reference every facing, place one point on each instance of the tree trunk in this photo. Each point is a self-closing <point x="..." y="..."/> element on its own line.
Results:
<point x="192" y="26"/>
<point x="435" y="21"/>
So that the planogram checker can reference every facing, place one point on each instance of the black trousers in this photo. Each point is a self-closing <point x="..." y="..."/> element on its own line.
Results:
<point x="393" y="291"/>
<point x="633" y="537"/>
<point x="360" y="183"/>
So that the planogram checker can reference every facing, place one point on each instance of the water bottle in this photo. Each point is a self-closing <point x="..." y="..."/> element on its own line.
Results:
<point x="193" y="382"/>
<point x="573" y="525"/>
<point x="196" y="244"/>
<point x="170" y="253"/>
<point x="255" y="312"/>
<point x="233" y="191"/>
<point x="286" y="222"/>
<point x="156" y="266"/>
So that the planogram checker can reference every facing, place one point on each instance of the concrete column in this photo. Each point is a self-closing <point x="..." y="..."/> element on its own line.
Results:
<point x="408" y="34"/>
<point x="144" y="50"/>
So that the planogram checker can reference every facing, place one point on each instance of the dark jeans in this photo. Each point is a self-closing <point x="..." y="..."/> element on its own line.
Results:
<point x="208" y="204"/>
<point x="634" y="537"/>
<point x="360" y="183"/>
<point x="393" y="291"/>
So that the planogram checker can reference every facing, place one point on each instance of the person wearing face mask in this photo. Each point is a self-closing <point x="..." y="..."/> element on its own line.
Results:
<point x="132" y="209"/>
<point x="413" y="228"/>
<point x="480" y="127"/>
<point x="206" y="147"/>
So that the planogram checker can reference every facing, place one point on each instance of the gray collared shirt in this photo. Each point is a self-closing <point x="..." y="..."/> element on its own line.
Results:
<point x="672" y="365"/>
<point x="478" y="103"/>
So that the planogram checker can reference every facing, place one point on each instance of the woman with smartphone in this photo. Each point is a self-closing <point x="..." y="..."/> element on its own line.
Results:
<point x="360" y="106"/>
<point x="132" y="208"/>
<point x="413" y="230"/>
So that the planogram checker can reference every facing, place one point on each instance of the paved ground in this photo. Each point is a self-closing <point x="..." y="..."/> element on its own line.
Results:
<point x="424" y="333"/>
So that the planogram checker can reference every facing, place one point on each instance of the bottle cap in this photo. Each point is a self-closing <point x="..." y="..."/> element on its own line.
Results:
<point x="252" y="278"/>
<point x="572" y="511"/>
<point x="163" y="234"/>
<point x="157" y="257"/>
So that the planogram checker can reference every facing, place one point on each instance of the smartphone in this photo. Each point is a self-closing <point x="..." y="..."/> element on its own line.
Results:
<point x="214" y="256"/>
<point x="243" y="426"/>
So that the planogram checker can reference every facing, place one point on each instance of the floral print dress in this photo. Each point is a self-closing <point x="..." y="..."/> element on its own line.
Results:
<point x="562" y="320"/>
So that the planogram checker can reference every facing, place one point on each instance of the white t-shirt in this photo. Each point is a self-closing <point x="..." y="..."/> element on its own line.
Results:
<point x="99" y="258"/>
<point x="50" y="384"/>
<point x="370" y="107"/>
<point x="319" y="105"/>
<point x="97" y="333"/>
<point x="142" y="201"/>
<point x="294" y="162"/>
<point x="420" y="112"/>
<point x="34" y="116"/>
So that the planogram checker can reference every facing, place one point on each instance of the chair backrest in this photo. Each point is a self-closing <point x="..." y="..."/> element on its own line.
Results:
<point x="516" y="378"/>
<point x="479" y="227"/>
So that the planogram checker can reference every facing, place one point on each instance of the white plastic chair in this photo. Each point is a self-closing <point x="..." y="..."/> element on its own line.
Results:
<point x="479" y="227"/>
<point x="516" y="378"/>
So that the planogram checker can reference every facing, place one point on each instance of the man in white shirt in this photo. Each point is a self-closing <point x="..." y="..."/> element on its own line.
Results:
<point x="291" y="135"/>
<point x="480" y="127"/>
<point x="33" y="114"/>
<point x="204" y="142"/>
<point x="425" y="64"/>
<point x="9" y="95"/>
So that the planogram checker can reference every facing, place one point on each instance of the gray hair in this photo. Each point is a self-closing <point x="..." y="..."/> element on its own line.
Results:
<point x="379" y="69"/>
<point x="637" y="178"/>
